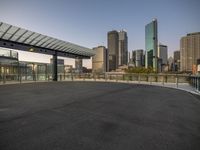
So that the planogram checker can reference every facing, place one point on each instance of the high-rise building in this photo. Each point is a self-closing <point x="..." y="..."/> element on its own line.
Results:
<point x="138" y="57"/>
<point x="163" y="53"/>
<point x="151" y="42"/>
<point x="189" y="51"/>
<point x="129" y="57"/>
<point x="113" y="48"/>
<point x="100" y="60"/>
<point x="117" y="49"/>
<point x="123" y="48"/>
<point x="176" y="60"/>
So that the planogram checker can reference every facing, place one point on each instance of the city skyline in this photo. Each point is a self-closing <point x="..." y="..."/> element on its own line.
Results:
<point x="87" y="22"/>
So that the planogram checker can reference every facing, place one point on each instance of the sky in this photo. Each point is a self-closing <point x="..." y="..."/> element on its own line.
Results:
<point x="86" y="22"/>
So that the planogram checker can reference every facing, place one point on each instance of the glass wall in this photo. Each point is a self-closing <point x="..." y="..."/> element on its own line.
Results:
<point x="31" y="71"/>
<point x="13" y="70"/>
<point x="8" y="53"/>
<point x="151" y="41"/>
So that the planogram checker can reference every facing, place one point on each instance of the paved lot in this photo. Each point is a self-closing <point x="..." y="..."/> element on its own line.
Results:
<point x="97" y="116"/>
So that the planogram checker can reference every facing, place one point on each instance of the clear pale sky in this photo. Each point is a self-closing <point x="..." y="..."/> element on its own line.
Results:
<point x="86" y="22"/>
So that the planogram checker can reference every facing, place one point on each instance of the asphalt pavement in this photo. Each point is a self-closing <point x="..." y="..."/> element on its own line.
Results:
<point x="97" y="116"/>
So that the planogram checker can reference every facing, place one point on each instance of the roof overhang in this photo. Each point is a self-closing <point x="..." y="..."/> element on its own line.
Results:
<point x="21" y="39"/>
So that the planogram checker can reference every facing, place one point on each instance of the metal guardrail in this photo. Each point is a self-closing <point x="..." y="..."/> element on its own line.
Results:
<point x="114" y="77"/>
<point x="195" y="82"/>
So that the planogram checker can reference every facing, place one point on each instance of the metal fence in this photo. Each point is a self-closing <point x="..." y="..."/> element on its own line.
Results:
<point x="195" y="82"/>
<point x="114" y="77"/>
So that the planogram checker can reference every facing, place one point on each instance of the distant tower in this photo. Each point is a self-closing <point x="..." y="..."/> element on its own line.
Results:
<point x="163" y="53"/>
<point x="123" y="48"/>
<point x="151" y="42"/>
<point x="137" y="57"/>
<point x="113" y="48"/>
<point x="129" y="57"/>
<point x="117" y="49"/>
<point x="100" y="60"/>
<point x="177" y="60"/>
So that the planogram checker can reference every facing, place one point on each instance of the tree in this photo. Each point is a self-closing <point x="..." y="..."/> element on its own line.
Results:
<point x="139" y="70"/>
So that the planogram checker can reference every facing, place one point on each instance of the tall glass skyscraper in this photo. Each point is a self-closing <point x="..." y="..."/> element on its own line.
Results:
<point x="151" y="45"/>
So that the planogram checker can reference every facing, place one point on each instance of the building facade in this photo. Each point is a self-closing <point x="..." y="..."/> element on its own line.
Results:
<point x="163" y="53"/>
<point x="9" y="63"/>
<point x="11" y="69"/>
<point x="151" y="45"/>
<point x="189" y="51"/>
<point x="117" y="49"/>
<point x="113" y="48"/>
<point x="138" y="58"/>
<point x="123" y="48"/>
<point x="100" y="60"/>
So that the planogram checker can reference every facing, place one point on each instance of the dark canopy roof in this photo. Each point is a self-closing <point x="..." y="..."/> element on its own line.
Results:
<point x="23" y="36"/>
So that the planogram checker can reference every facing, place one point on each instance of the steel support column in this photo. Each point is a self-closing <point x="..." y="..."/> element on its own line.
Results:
<point x="55" y="67"/>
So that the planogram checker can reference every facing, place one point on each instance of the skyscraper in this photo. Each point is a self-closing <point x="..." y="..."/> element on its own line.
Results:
<point x="100" y="60"/>
<point x="123" y="48"/>
<point x="137" y="57"/>
<point x="117" y="49"/>
<point x="113" y="49"/>
<point x="151" y="42"/>
<point x="163" y="53"/>
<point x="176" y="60"/>
<point x="189" y="51"/>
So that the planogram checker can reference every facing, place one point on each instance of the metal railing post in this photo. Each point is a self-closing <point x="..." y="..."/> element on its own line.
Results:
<point x="72" y="77"/>
<point x="138" y="78"/>
<point x="94" y="76"/>
<point x="150" y="78"/>
<point x="4" y="79"/>
<point x="163" y="80"/>
<point x="193" y="82"/>
<point x="176" y="81"/>
<point x="20" y="78"/>
<point x="196" y="83"/>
